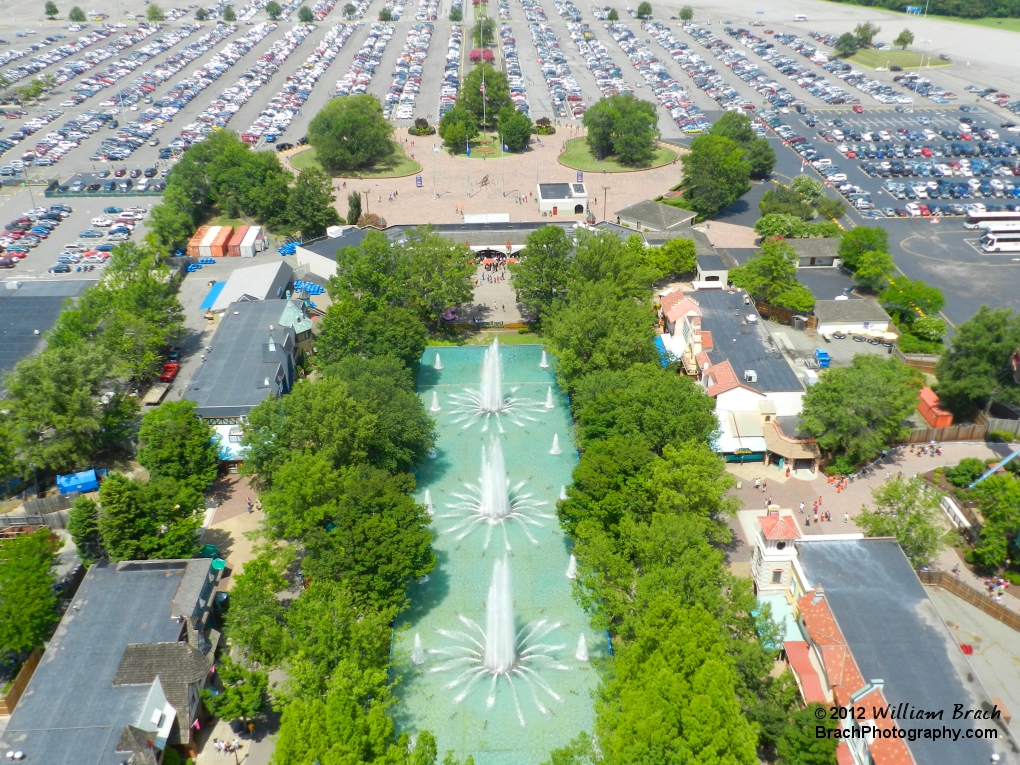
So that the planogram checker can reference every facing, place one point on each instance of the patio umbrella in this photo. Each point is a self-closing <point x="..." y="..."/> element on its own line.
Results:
<point x="488" y="261"/>
<point x="890" y="336"/>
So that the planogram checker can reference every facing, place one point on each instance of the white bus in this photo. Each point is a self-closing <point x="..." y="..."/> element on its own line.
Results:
<point x="1007" y="242"/>
<point x="999" y="227"/>
<point x="975" y="219"/>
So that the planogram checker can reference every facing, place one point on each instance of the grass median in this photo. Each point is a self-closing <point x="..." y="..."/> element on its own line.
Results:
<point x="397" y="165"/>
<point x="579" y="157"/>
<point x="905" y="59"/>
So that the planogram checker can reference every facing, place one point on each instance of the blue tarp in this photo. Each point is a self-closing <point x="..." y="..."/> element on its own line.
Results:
<point x="663" y="354"/>
<point x="84" y="481"/>
<point x="214" y="292"/>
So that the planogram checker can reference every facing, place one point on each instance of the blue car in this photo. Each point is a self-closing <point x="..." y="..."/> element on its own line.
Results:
<point x="104" y="247"/>
<point x="112" y="210"/>
<point x="91" y="233"/>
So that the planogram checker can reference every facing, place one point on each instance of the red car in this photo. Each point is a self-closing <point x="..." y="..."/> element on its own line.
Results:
<point x="169" y="371"/>
<point x="857" y="108"/>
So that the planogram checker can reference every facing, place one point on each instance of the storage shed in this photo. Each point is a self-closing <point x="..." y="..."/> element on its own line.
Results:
<point x="196" y="242"/>
<point x="205" y="246"/>
<point x="851" y="316"/>
<point x="234" y="245"/>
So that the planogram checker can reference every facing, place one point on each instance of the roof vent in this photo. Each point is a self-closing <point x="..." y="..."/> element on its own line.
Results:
<point x="271" y="327"/>
<point x="819" y="594"/>
<point x="266" y="382"/>
<point x="750" y="376"/>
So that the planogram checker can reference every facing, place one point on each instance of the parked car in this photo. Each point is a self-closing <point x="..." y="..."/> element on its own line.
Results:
<point x="169" y="371"/>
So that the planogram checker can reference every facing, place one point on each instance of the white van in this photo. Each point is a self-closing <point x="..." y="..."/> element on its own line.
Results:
<point x="101" y="222"/>
<point x="800" y="17"/>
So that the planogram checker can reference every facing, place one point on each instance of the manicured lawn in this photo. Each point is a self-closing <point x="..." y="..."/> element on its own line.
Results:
<point x="487" y="146"/>
<point x="578" y="157"/>
<point x="906" y="59"/>
<point x="396" y="166"/>
<point x="1010" y="25"/>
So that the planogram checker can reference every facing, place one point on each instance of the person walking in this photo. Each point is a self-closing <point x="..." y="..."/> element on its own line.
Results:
<point x="846" y="517"/>
<point x="802" y="508"/>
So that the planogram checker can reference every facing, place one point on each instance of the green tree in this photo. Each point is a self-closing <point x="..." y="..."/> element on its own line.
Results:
<point x="482" y="32"/>
<point x="771" y="276"/>
<point x="736" y="127"/>
<point x="28" y="605"/>
<point x="644" y="403"/>
<point x="624" y="126"/>
<point x="154" y="13"/>
<point x="379" y="539"/>
<point x="140" y="521"/>
<point x="810" y="188"/>
<point x="242" y="695"/>
<point x="674" y="257"/>
<point x="905" y="38"/>
<point x="785" y="201"/>
<point x="778" y="225"/>
<point x="456" y="14"/>
<point x="909" y="511"/>
<point x="201" y="14"/>
<point x="540" y="276"/>
<point x="170" y="222"/>
<point x="255" y="619"/>
<point x="347" y="329"/>
<point x="50" y="9"/>
<point x="354" y="207"/>
<point x="859" y="240"/>
<point x="173" y="442"/>
<point x="686" y="13"/>
<point x="602" y="258"/>
<point x="930" y="328"/>
<point x="305" y="15"/>
<point x="715" y="174"/>
<point x="906" y="299"/>
<point x="846" y="45"/>
<point x="457" y="127"/>
<point x="873" y="269"/>
<point x="762" y="158"/>
<point x="644" y="10"/>
<point x="977" y="369"/>
<point x="350" y="9"/>
<point x="60" y="411"/>
<point x="859" y="409"/>
<point x="310" y="206"/>
<point x="999" y="500"/>
<point x="612" y="15"/>
<point x="497" y="94"/>
<point x="273" y="10"/>
<point x="385" y="14"/>
<point x="351" y="133"/>
<point x="229" y="15"/>
<point x="514" y="129"/>
<point x="83" y="526"/>
<point x="596" y="329"/>
<point x="440" y="274"/>
<point x="865" y="34"/>
<point x="800" y="745"/>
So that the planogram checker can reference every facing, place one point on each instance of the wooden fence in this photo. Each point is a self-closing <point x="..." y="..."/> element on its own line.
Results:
<point x="10" y="699"/>
<point x="53" y="521"/>
<point x="782" y="315"/>
<point x="971" y="595"/>
<point x="923" y="362"/>
<point x="1005" y="426"/>
<point x="51" y="504"/>
<point x="953" y="433"/>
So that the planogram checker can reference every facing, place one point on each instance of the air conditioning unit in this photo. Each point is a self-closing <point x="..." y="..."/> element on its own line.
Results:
<point x="750" y="376"/>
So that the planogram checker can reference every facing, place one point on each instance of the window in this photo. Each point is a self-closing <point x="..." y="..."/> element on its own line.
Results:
<point x="235" y="438"/>
<point x="780" y="545"/>
<point x="777" y="576"/>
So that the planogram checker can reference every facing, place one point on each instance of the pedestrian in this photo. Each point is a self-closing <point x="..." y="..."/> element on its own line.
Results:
<point x="807" y="520"/>
<point x="816" y="517"/>
<point x="258" y="505"/>
<point x="802" y="508"/>
<point x="757" y="483"/>
<point x="846" y="517"/>
<point x="249" y="504"/>
<point x="819" y="500"/>
<point x="815" y="508"/>
<point x="766" y="504"/>
<point x="764" y="487"/>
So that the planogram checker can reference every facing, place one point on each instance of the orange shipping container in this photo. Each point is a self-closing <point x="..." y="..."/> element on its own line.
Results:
<point x="218" y="247"/>
<point x="196" y="240"/>
<point x="929" y="407"/>
<point x="234" y="245"/>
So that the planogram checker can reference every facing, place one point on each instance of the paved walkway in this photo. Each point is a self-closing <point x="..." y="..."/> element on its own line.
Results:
<point x="808" y="487"/>
<point x="454" y="184"/>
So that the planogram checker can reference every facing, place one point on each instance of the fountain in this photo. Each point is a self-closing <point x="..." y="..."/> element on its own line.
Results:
<point x="544" y="363"/>
<point x="418" y="657"/>
<point x="435" y="402"/>
<point x="493" y="502"/>
<point x="563" y="492"/>
<point x="438" y="363"/>
<point x="572" y="567"/>
<point x="556" y="444"/>
<point x="500" y="651"/>
<point x="549" y="399"/>
<point x="581" y="654"/>
<point x="489" y="401"/>
<point x="429" y="507"/>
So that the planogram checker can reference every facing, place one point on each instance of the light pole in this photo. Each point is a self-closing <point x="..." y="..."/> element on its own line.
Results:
<point x="366" y="193"/>
<point x="605" y="199"/>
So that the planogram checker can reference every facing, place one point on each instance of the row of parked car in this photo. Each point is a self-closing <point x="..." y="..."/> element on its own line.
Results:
<point x="359" y="74"/>
<point x="514" y="73"/>
<point x="45" y="58"/>
<point x="503" y="9"/>
<point x="451" y="72"/>
<point x="28" y="231"/>
<point x="671" y="94"/>
<point x="567" y="10"/>
<point x="30" y="127"/>
<point x="881" y="92"/>
<point x="396" y="9"/>
<point x="428" y="10"/>
<point x="608" y="76"/>
<point x="92" y="59"/>
<point x="322" y="8"/>
<point x="399" y="101"/>
<point x="533" y="11"/>
<point x="284" y="106"/>
<point x="552" y="63"/>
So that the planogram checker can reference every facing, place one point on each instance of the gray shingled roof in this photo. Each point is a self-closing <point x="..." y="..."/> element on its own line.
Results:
<point x="850" y="310"/>
<point x="265" y="281"/>
<point x="655" y="215"/>
<point x="136" y="741"/>
<point x="815" y="247"/>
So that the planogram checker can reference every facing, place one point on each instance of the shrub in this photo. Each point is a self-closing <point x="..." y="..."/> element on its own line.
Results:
<point x="1002" y="437"/>
<point x="911" y="343"/>
<point x="830" y="208"/>
<point x="967" y="471"/>
<point x="841" y="465"/>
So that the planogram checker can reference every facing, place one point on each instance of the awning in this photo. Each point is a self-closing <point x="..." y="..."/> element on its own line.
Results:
<point x="799" y="654"/>
<point x="732" y="441"/>
<point x="792" y="450"/>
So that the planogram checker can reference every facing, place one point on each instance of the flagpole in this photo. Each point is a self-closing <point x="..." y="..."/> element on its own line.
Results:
<point x="467" y="164"/>
<point x="502" y="163"/>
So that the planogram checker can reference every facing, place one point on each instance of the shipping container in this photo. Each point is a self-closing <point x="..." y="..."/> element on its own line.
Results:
<point x="218" y="248"/>
<point x="196" y="241"/>
<point x="234" y="245"/>
<point x="204" y="250"/>
<point x="254" y="241"/>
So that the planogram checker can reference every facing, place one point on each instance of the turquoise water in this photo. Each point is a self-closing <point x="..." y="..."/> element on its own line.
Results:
<point x="459" y="584"/>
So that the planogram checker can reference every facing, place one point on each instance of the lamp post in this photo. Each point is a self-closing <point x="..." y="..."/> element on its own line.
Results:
<point x="605" y="198"/>
<point x="366" y="201"/>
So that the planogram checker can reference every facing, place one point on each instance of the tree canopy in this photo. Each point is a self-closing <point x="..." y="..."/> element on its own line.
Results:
<point x="758" y="151"/>
<point x="310" y="202"/>
<point x="859" y="409"/>
<point x="859" y="240"/>
<point x="28" y="604"/>
<point x="457" y="126"/>
<point x="716" y="174"/>
<point x="977" y="370"/>
<point x="158" y="519"/>
<point x="624" y="126"/>
<point x="486" y="109"/>
<point x="514" y="128"/>
<point x="540" y="276"/>
<point x="908" y="510"/>
<point x="174" y="443"/>
<point x="350" y="134"/>
<point x="771" y="276"/>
